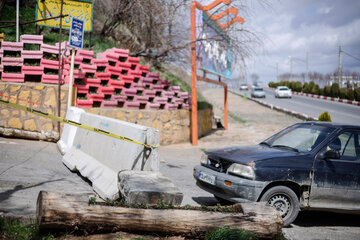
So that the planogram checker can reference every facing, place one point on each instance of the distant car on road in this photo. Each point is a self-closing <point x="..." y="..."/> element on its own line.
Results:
<point x="283" y="92"/>
<point x="307" y="166"/>
<point x="258" y="92"/>
<point x="244" y="86"/>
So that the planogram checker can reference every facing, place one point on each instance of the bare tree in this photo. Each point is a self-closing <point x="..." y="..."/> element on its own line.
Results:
<point x="160" y="29"/>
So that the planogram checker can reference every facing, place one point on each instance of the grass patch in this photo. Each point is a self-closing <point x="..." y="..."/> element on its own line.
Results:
<point x="236" y="117"/>
<point x="229" y="234"/>
<point x="20" y="229"/>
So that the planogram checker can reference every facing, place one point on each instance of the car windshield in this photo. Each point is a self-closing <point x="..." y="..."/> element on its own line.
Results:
<point x="283" y="89"/>
<point x="299" y="138"/>
<point x="258" y="89"/>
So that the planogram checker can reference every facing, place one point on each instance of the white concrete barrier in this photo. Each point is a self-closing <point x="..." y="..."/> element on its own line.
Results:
<point x="69" y="131"/>
<point x="99" y="158"/>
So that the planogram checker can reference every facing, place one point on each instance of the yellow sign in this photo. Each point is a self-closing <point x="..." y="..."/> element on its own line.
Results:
<point x="51" y="8"/>
<point x="1" y="36"/>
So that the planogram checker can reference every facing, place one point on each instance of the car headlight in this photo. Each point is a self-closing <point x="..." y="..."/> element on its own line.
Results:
<point x="241" y="170"/>
<point x="204" y="159"/>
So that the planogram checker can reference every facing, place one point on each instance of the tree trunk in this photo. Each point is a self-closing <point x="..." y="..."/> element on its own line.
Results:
<point x="72" y="212"/>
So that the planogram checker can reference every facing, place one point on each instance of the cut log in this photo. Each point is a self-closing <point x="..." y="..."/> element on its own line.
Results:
<point x="68" y="212"/>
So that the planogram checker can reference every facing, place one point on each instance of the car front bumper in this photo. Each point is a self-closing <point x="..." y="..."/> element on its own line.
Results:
<point x="240" y="190"/>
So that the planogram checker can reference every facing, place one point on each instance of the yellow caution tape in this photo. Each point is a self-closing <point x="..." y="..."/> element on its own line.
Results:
<point x="76" y="124"/>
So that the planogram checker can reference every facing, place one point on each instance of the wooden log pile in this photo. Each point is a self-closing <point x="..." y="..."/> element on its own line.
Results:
<point x="69" y="212"/>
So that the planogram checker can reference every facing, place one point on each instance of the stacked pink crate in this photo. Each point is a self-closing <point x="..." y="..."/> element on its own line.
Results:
<point x="11" y="62"/>
<point x="32" y="58"/>
<point x="50" y="62"/>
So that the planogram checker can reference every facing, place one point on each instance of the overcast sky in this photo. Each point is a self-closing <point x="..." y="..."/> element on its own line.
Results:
<point x="294" y="27"/>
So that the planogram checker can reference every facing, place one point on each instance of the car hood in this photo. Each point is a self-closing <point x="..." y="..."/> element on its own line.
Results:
<point x="248" y="154"/>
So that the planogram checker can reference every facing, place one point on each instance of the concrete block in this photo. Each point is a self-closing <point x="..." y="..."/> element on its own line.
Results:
<point x="120" y="98"/>
<point x="116" y="83"/>
<point x="157" y="87"/>
<point x="85" y="53"/>
<point x="69" y="131"/>
<point x="106" y="90"/>
<point x="84" y="103"/>
<point x="103" y="75"/>
<point x="129" y="91"/>
<point x="53" y="79"/>
<point x="12" y="46"/>
<point x="52" y="64"/>
<point x="88" y="68"/>
<point x="109" y="103"/>
<point x="32" y="70"/>
<point x="167" y="93"/>
<point x="171" y="106"/>
<point x="133" y="60"/>
<point x="141" y="99"/>
<point x="92" y="81"/>
<point x="153" y="75"/>
<point x="121" y="51"/>
<point x="132" y="105"/>
<point x="12" y="77"/>
<point x="12" y="61"/>
<point x="77" y="60"/>
<point x="82" y="88"/>
<point x="96" y="96"/>
<point x="149" y="188"/>
<point x="27" y="54"/>
<point x="100" y="158"/>
<point x="99" y="62"/>
<point x="153" y="106"/>
<point x="49" y="48"/>
<point x="150" y="93"/>
<point x="32" y="39"/>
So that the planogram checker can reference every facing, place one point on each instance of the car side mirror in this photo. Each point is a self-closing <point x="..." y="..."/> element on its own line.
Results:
<point x="331" y="154"/>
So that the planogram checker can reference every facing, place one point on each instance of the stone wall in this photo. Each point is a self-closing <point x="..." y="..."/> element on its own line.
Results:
<point x="44" y="97"/>
<point x="174" y="125"/>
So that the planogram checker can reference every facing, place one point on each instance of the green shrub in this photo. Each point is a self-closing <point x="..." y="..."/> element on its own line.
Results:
<point x="272" y="85"/>
<point x="324" y="117"/>
<point x="297" y="86"/>
<point x="315" y="89"/>
<point x="334" y="90"/>
<point x="343" y="93"/>
<point x="357" y="94"/>
<point x="306" y="88"/>
<point x="327" y="91"/>
<point x="350" y="94"/>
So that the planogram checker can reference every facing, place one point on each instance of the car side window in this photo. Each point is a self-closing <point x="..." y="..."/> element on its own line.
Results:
<point x="347" y="143"/>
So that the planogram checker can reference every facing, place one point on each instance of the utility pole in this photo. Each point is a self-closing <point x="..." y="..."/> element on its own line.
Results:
<point x="17" y="20"/>
<point x="340" y="71"/>
<point x="291" y="68"/>
<point x="307" y="67"/>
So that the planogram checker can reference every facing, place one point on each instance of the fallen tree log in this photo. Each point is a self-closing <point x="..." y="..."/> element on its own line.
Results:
<point x="68" y="212"/>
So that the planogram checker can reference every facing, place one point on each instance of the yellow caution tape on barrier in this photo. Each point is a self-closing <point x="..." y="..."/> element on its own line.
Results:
<point x="76" y="124"/>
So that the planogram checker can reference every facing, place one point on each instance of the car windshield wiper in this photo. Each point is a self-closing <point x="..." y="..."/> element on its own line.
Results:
<point x="286" y="147"/>
<point x="265" y="143"/>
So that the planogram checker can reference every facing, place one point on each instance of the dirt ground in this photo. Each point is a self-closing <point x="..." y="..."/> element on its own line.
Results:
<point x="249" y="122"/>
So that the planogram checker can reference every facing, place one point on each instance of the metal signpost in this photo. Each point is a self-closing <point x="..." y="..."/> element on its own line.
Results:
<point x="76" y="40"/>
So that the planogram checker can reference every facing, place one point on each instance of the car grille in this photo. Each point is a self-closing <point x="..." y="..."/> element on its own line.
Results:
<point x="217" y="164"/>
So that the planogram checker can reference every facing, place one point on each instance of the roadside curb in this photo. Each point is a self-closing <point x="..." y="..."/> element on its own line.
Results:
<point x="356" y="103"/>
<point x="284" y="110"/>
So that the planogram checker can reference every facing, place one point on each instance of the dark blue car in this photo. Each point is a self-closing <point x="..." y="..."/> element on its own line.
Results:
<point x="310" y="165"/>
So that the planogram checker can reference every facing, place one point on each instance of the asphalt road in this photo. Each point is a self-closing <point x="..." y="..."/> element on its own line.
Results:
<point x="339" y="112"/>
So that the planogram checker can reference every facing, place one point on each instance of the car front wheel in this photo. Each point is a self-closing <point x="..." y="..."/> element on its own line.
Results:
<point x="285" y="201"/>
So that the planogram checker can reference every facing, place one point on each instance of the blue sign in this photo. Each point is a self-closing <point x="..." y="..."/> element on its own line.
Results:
<point x="76" y="37"/>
